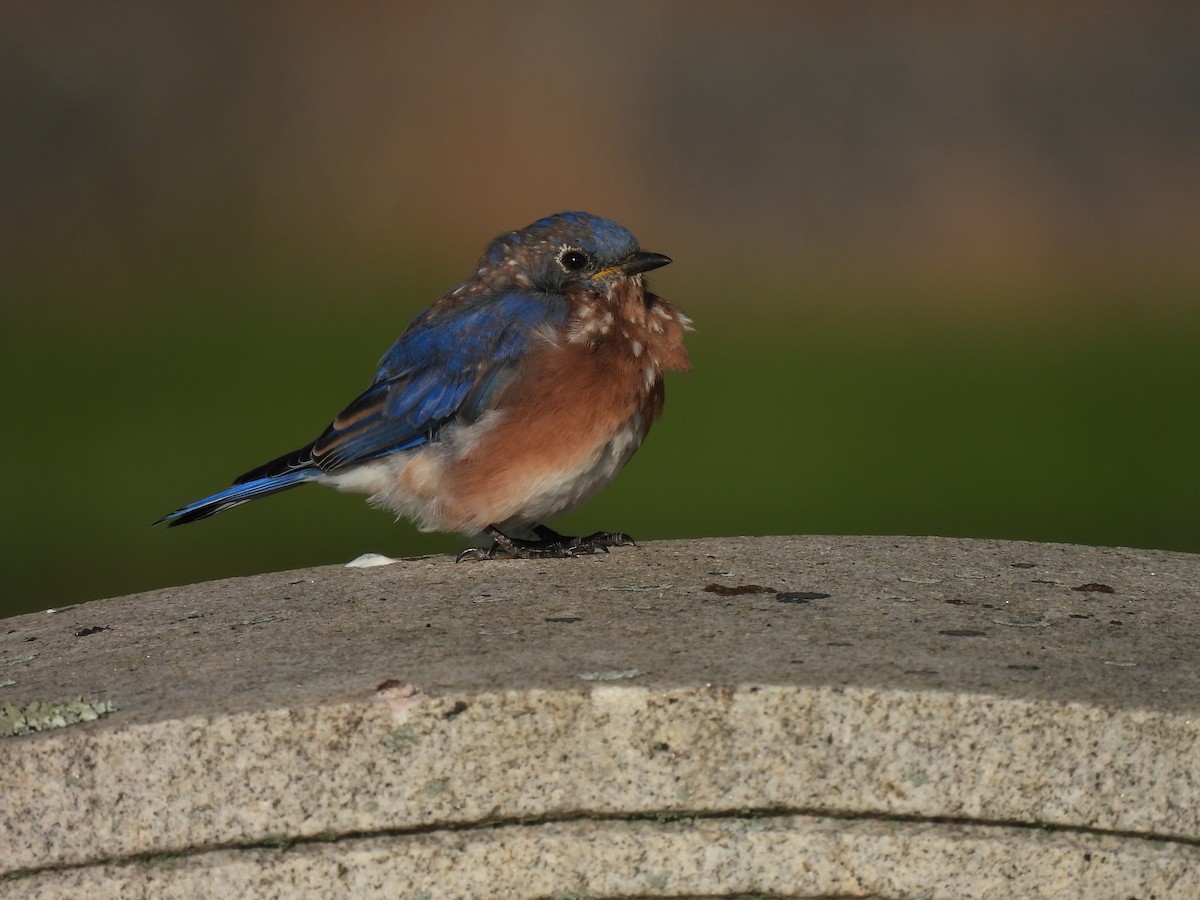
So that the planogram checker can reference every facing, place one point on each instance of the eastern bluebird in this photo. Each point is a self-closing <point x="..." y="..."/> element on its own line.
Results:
<point x="513" y="398"/>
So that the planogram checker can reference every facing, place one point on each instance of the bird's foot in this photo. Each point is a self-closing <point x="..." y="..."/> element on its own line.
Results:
<point x="549" y="545"/>
<point x="602" y="540"/>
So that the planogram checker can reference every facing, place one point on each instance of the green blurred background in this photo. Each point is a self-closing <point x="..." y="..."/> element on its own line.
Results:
<point x="942" y="259"/>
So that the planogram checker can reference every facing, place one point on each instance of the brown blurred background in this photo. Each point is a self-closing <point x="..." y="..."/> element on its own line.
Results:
<point x="942" y="257"/>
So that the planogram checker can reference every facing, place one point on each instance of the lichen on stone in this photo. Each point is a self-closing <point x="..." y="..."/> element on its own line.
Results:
<point x="42" y="715"/>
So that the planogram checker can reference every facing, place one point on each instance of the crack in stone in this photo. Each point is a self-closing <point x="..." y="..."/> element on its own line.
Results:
<point x="664" y="818"/>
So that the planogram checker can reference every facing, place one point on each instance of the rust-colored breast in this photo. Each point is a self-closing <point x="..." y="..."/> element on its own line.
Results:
<point x="578" y="393"/>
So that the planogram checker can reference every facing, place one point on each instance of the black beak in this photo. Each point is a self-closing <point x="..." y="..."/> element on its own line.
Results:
<point x="643" y="261"/>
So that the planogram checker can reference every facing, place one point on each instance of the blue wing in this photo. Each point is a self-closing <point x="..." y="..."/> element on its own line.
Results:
<point x="448" y="366"/>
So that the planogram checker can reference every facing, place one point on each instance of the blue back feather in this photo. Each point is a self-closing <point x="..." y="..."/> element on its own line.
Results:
<point x="448" y="354"/>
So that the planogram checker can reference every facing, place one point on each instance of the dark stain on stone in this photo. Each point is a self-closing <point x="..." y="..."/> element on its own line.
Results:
<point x="725" y="590"/>
<point x="800" y="596"/>
<point x="459" y="707"/>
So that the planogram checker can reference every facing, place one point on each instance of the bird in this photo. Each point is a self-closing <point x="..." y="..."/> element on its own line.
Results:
<point x="514" y="398"/>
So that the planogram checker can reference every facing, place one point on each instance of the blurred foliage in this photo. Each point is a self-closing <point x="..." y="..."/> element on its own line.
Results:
<point x="807" y="412"/>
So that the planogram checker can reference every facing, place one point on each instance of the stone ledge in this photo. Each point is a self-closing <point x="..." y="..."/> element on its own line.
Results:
<point x="966" y="693"/>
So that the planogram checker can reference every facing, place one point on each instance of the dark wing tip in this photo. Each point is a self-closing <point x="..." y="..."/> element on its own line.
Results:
<point x="281" y="465"/>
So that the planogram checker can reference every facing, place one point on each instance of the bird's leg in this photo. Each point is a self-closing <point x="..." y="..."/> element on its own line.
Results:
<point x="550" y="545"/>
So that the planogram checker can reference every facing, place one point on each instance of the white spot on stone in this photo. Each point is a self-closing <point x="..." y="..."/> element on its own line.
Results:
<point x="401" y="697"/>
<point x="370" y="560"/>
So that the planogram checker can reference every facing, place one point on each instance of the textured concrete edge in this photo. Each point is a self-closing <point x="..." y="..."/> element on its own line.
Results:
<point x="409" y="761"/>
<point x="792" y="856"/>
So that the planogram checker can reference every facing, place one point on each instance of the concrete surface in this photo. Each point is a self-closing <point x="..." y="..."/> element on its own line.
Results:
<point x="797" y="716"/>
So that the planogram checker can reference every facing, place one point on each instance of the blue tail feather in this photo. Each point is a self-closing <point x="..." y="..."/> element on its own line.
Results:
<point x="237" y="495"/>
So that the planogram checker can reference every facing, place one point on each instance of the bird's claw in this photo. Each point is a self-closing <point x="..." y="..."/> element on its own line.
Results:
<point x="476" y="553"/>
<point x="551" y="546"/>
<point x="606" y="539"/>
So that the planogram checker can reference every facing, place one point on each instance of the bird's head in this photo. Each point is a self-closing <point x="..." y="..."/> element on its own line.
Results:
<point x="567" y="249"/>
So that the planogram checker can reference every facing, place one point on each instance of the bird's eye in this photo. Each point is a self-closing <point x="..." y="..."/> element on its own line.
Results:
<point x="573" y="260"/>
